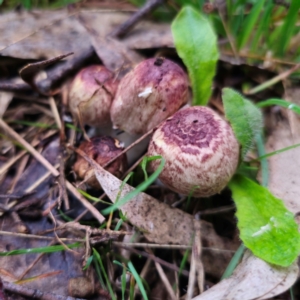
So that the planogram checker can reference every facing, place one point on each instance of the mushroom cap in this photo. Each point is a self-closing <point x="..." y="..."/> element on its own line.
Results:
<point x="200" y="150"/>
<point x="154" y="90"/>
<point x="91" y="94"/>
<point x="102" y="150"/>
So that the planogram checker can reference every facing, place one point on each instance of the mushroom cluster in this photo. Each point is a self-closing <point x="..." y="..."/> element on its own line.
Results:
<point x="199" y="147"/>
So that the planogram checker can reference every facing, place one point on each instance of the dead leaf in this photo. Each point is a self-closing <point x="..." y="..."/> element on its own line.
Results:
<point x="253" y="279"/>
<point x="66" y="262"/>
<point x="41" y="34"/>
<point x="47" y="34"/>
<point x="30" y="71"/>
<point x="113" y="53"/>
<point x="163" y="224"/>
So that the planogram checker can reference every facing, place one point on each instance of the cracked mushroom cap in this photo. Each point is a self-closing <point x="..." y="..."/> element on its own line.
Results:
<point x="102" y="150"/>
<point x="154" y="90"/>
<point x="91" y="95"/>
<point x="200" y="150"/>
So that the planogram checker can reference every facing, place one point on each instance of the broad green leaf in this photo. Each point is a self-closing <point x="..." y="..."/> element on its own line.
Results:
<point x="244" y="117"/>
<point x="266" y="227"/>
<point x="196" y="44"/>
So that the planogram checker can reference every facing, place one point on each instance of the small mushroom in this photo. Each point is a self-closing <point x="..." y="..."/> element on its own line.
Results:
<point x="154" y="90"/>
<point x="200" y="150"/>
<point x="102" y="150"/>
<point x="91" y="94"/>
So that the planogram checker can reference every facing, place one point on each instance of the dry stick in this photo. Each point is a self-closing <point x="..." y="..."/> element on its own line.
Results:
<point x="34" y="293"/>
<point x="136" y="17"/>
<point x="35" y="261"/>
<point x="104" y="194"/>
<point x="127" y="148"/>
<point x="198" y="253"/>
<point x="53" y="171"/>
<point x="20" y="171"/>
<point x="31" y="188"/>
<point x="152" y="257"/>
<point x="215" y="211"/>
<point x="176" y="276"/>
<point x="55" y="75"/>
<point x="143" y="274"/>
<point x="39" y="237"/>
<point x="14" y="159"/>
<point x="272" y="81"/>
<point x="168" y="246"/>
<point x="164" y="278"/>
<point x="60" y="124"/>
<point x="230" y="39"/>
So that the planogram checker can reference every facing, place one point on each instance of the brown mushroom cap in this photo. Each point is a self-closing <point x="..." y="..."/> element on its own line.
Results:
<point x="91" y="95"/>
<point x="200" y="150"/>
<point x="154" y="90"/>
<point x="102" y="150"/>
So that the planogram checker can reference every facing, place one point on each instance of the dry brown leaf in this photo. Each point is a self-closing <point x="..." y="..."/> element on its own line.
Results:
<point x="47" y="34"/>
<point x="163" y="224"/>
<point x="113" y="53"/>
<point x="66" y="262"/>
<point x="41" y="34"/>
<point x="284" y="168"/>
<point x="253" y="279"/>
<point x="159" y="222"/>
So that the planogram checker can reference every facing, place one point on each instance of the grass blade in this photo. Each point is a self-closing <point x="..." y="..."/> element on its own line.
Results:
<point x="48" y="249"/>
<point x="248" y="25"/>
<point x="138" y="280"/>
<point x="140" y="188"/>
<point x="287" y="29"/>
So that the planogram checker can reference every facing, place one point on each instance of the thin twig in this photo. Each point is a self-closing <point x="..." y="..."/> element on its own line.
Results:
<point x="164" y="278"/>
<point x="273" y="81"/>
<point x="123" y="29"/>
<point x="52" y="169"/>
<point x="38" y="237"/>
<point x="33" y="293"/>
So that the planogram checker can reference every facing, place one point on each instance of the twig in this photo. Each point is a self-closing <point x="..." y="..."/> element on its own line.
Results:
<point x="136" y="17"/>
<point x="52" y="169"/>
<point x="33" y="293"/>
<point x="164" y="278"/>
<point x="151" y="256"/>
<point x="54" y="76"/>
<point x="273" y="81"/>
<point x="39" y="237"/>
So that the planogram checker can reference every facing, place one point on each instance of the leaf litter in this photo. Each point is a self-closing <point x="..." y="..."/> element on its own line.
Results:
<point x="253" y="279"/>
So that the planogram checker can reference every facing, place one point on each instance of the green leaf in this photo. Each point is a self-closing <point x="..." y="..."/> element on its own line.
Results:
<point x="244" y="117"/>
<point x="196" y="44"/>
<point x="266" y="227"/>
